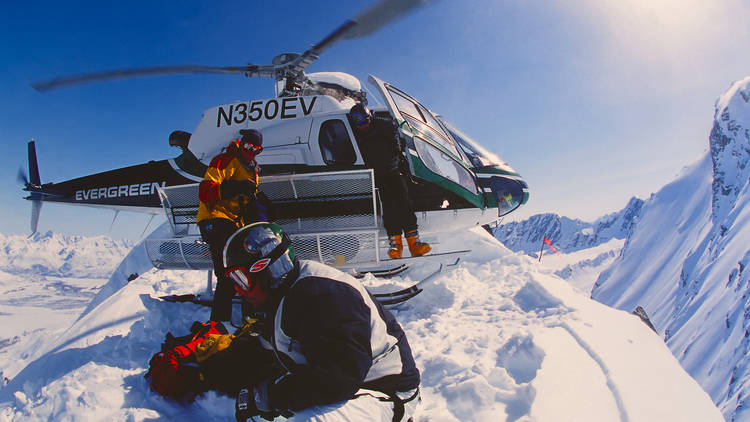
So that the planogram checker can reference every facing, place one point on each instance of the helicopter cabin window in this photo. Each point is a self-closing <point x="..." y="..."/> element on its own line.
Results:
<point x="441" y="164"/>
<point x="335" y="144"/>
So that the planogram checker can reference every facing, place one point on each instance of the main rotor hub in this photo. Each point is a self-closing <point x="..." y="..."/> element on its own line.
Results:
<point x="284" y="58"/>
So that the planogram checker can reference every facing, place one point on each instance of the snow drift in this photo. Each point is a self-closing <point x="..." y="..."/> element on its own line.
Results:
<point x="495" y="339"/>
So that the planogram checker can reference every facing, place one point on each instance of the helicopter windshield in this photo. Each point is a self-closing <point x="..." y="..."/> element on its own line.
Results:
<point x="479" y="156"/>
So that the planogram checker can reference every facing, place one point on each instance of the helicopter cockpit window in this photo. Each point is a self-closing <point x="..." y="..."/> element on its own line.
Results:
<point x="335" y="144"/>
<point x="422" y="120"/>
<point x="479" y="156"/>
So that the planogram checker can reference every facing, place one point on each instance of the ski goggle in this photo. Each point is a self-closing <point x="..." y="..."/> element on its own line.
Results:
<point x="243" y="276"/>
<point x="360" y="119"/>
<point x="255" y="149"/>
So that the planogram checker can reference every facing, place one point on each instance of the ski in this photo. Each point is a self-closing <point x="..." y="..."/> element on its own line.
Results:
<point x="403" y="295"/>
<point x="389" y="299"/>
<point x="429" y="255"/>
<point x="187" y="298"/>
<point x="393" y="301"/>
<point x="386" y="299"/>
<point x="380" y="273"/>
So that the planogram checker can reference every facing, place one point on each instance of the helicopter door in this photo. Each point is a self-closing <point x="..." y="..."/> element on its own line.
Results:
<point x="433" y="146"/>
<point x="336" y="142"/>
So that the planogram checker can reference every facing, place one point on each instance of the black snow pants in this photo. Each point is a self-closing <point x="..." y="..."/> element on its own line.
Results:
<point x="398" y="214"/>
<point x="215" y="232"/>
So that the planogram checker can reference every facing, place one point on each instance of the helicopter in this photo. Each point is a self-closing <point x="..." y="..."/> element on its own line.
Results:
<point x="311" y="166"/>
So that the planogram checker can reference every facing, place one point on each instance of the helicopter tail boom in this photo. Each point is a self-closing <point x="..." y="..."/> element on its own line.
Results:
<point x="133" y="188"/>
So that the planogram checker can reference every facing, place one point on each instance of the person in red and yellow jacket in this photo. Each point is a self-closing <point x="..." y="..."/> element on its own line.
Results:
<point x="228" y="201"/>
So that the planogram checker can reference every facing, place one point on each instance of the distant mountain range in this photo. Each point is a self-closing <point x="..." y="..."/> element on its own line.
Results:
<point x="53" y="254"/>
<point x="568" y="235"/>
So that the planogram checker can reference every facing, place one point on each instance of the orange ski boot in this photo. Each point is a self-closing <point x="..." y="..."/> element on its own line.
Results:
<point x="394" y="251"/>
<point x="416" y="248"/>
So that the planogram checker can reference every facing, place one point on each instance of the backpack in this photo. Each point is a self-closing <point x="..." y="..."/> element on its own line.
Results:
<point x="209" y="358"/>
<point x="175" y="370"/>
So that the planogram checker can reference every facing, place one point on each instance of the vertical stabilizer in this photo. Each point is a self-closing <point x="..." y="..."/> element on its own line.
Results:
<point x="34" y="178"/>
<point x="35" y="182"/>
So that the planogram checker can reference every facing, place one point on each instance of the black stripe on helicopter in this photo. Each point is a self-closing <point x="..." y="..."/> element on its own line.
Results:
<point x="148" y="188"/>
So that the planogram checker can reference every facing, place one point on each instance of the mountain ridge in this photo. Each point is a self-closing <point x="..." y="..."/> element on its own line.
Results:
<point x="692" y="280"/>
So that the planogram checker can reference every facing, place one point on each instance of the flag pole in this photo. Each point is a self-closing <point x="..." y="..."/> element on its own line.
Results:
<point x="541" y="251"/>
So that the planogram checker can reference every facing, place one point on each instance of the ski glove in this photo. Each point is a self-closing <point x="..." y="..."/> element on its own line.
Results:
<point x="232" y="188"/>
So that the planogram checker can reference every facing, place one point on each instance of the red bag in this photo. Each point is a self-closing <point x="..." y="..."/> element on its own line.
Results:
<point x="174" y="371"/>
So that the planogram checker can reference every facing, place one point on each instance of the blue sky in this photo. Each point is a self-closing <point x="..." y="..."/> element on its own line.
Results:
<point x="592" y="102"/>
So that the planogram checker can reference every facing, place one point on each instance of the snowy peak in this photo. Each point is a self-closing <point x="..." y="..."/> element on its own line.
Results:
<point x="686" y="261"/>
<point x="569" y="235"/>
<point x="52" y="254"/>
<point x="730" y="147"/>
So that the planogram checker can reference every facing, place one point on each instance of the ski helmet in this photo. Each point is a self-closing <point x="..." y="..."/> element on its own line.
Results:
<point x="251" y="144"/>
<point x="259" y="254"/>
<point x="360" y="116"/>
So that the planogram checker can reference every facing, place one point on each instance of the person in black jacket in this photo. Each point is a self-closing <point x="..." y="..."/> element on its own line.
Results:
<point x="344" y="356"/>
<point x="380" y="146"/>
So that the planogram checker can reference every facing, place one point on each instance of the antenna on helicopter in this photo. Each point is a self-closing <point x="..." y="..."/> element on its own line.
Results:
<point x="289" y="67"/>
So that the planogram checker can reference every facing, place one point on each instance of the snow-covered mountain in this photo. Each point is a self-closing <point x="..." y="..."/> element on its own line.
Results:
<point x="568" y="235"/>
<point x="496" y="339"/>
<point x="588" y="248"/>
<point x="686" y="261"/>
<point x="45" y="283"/>
<point x="52" y="254"/>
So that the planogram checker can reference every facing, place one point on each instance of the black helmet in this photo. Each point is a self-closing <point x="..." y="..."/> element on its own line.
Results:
<point x="259" y="253"/>
<point x="251" y="136"/>
<point x="360" y="116"/>
<point x="251" y="143"/>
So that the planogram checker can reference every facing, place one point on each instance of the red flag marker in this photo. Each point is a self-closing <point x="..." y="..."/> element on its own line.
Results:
<point x="549" y="243"/>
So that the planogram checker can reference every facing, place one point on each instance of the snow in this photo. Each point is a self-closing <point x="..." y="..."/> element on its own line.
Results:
<point x="684" y="262"/>
<point x="499" y="337"/>
<point x="581" y="268"/>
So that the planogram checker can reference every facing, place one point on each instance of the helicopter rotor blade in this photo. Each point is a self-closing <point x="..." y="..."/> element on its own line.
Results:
<point x="248" y="70"/>
<point x="379" y="15"/>
<point x="367" y="22"/>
